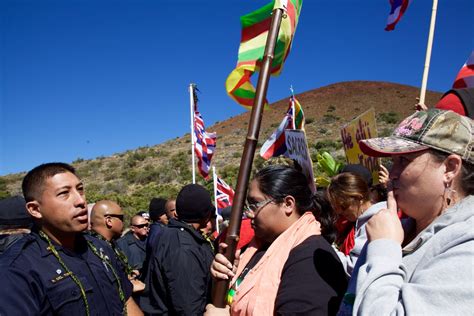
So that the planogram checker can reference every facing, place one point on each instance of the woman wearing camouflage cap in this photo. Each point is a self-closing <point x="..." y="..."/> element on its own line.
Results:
<point x="425" y="266"/>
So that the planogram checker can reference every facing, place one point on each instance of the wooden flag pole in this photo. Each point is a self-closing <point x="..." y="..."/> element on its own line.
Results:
<point x="221" y="286"/>
<point x="428" y="56"/>
<point x="192" y="106"/>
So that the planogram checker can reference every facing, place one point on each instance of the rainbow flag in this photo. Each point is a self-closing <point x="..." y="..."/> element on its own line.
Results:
<point x="255" y="28"/>
<point x="298" y="113"/>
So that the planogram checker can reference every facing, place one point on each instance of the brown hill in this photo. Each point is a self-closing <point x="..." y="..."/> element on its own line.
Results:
<point x="133" y="177"/>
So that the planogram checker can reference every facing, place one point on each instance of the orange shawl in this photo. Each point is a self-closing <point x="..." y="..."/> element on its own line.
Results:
<point x="257" y="293"/>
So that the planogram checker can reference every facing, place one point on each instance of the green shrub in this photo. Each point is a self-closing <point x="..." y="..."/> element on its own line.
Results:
<point x="388" y="117"/>
<point x="309" y="120"/>
<point x="330" y="118"/>
<point x="326" y="145"/>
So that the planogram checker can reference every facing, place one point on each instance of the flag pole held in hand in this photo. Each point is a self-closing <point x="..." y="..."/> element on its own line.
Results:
<point x="221" y="286"/>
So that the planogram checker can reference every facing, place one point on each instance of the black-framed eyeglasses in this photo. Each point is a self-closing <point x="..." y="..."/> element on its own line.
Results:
<point x="252" y="209"/>
<point x="141" y="225"/>
<point x="119" y="216"/>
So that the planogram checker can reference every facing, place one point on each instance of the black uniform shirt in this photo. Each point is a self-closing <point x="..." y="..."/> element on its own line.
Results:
<point x="33" y="282"/>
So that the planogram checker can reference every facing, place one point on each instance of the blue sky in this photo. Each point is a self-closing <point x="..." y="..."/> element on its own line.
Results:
<point x="89" y="78"/>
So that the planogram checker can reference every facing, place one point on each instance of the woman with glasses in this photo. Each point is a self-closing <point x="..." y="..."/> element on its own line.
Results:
<point x="289" y="266"/>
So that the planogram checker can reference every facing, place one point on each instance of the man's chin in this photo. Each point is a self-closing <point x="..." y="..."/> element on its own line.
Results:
<point x="80" y="227"/>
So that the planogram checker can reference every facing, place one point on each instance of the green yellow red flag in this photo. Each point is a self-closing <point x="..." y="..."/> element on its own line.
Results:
<point x="255" y="28"/>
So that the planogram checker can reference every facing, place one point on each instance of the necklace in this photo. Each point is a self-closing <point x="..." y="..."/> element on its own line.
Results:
<point x="69" y="272"/>
<point x="76" y="280"/>
<point x="120" y="255"/>
<point x="106" y="260"/>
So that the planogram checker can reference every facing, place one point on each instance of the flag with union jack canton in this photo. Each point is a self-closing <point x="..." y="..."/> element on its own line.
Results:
<point x="397" y="9"/>
<point x="204" y="142"/>
<point x="224" y="195"/>
<point x="276" y="145"/>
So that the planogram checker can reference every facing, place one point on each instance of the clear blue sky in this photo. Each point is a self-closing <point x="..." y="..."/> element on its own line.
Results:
<point x="86" y="78"/>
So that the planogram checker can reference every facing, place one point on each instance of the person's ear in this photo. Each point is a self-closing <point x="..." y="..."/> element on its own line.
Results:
<point x="289" y="204"/>
<point x="453" y="165"/>
<point x="108" y="222"/>
<point x="33" y="207"/>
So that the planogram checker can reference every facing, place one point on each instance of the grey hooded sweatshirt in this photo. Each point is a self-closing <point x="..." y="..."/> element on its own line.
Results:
<point x="432" y="275"/>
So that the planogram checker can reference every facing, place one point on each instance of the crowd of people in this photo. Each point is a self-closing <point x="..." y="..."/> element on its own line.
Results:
<point x="402" y="246"/>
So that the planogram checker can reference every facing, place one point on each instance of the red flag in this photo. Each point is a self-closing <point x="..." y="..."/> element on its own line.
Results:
<point x="224" y="194"/>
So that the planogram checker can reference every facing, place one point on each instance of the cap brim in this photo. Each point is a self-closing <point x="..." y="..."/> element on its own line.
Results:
<point x="389" y="146"/>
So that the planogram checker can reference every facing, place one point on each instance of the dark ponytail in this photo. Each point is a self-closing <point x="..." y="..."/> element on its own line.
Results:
<point x="278" y="181"/>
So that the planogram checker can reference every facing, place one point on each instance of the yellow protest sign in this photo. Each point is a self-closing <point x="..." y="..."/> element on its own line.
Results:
<point x="362" y="127"/>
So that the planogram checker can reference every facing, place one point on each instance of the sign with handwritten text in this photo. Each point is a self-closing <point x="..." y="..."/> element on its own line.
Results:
<point x="362" y="127"/>
<point x="297" y="147"/>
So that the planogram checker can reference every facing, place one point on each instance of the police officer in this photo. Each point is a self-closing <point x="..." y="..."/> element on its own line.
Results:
<point x="57" y="269"/>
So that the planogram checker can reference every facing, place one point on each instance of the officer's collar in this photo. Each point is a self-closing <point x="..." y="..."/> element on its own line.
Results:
<point x="188" y="227"/>
<point x="79" y="247"/>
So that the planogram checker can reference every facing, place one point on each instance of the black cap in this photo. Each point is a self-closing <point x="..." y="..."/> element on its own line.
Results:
<point x="156" y="208"/>
<point x="13" y="213"/>
<point x="359" y="170"/>
<point x="193" y="204"/>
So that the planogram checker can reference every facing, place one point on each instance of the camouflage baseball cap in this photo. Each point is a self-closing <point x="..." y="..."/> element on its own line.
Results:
<point x="445" y="131"/>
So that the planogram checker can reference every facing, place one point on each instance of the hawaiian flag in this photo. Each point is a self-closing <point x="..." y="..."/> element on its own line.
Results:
<point x="255" y="29"/>
<point x="224" y="195"/>
<point x="397" y="9"/>
<point x="204" y="142"/>
<point x="465" y="77"/>
<point x="276" y="145"/>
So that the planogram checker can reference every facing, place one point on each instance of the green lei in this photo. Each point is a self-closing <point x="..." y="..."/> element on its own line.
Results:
<point x="119" y="253"/>
<point x="76" y="280"/>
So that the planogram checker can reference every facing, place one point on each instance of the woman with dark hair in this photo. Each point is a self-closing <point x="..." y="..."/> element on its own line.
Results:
<point x="425" y="266"/>
<point x="289" y="266"/>
<point x="349" y="196"/>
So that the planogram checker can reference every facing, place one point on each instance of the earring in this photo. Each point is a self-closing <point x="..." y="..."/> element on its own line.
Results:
<point x="449" y="196"/>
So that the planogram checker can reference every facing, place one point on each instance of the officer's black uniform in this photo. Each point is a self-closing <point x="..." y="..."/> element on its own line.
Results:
<point x="134" y="249"/>
<point x="180" y="278"/>
<point x="33" y="282"/>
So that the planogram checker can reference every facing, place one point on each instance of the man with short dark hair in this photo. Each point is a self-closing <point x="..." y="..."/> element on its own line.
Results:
<point x="179" y="279"/>
<point x="133" y="243"/>
<point x="57" y="269"/>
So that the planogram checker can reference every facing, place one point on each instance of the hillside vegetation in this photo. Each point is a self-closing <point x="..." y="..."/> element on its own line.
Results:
<point x="133" y="177"/>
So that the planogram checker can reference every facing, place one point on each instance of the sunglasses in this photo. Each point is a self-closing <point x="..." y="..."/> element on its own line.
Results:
<point x="141" y="225"/>
<point x="120" y="217"/>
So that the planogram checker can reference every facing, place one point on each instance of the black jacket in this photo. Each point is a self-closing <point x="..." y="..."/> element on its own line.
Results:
<point x="180" y="280"/>
<point x="134" y="249"/>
